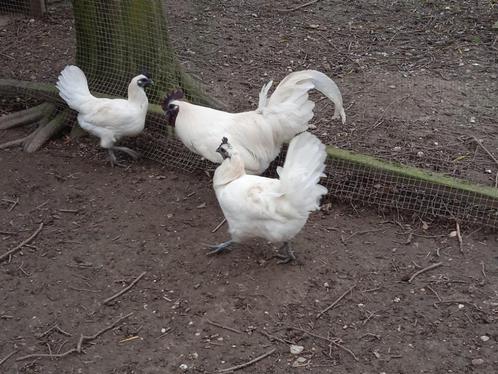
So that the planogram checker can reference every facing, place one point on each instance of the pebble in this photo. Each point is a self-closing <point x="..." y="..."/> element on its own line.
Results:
<point x="296" y="349"/>
<point x="420" y="154"/>
<point x="299" y="362"/>
<point x="397" y="149"/>
<point x="484" y="338"/>
<point x="183" y="367"/>
<point x="477" y="361"/>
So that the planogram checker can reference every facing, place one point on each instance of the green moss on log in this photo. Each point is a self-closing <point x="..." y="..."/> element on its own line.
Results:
<point x="410" y="172"/>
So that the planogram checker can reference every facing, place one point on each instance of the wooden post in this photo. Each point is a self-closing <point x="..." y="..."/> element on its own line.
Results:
<point x="37" y="8"/>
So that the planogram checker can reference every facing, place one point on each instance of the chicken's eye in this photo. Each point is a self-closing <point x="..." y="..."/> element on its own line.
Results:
<point x="171" y="106"/>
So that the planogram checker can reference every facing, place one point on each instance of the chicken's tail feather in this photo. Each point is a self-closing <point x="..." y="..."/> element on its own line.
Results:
<point x="302" y="170"/>
<point x="73" y="87"/>
<point x="289" y="107"/>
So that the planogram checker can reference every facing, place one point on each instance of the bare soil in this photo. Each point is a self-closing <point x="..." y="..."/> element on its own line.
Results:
<point x="413" y="74"/>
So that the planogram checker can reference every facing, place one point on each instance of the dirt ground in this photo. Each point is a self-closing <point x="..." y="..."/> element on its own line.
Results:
<point x="413" y="74"/>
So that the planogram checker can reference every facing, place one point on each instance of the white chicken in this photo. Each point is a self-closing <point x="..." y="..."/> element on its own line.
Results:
<point x="108" y="119"/>
<point x="273" y="209"/>
<point x="257" y="135"/>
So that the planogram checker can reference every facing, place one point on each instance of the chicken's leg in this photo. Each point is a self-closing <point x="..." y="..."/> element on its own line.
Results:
<point x="288" y="256"/>
<point x="219" y="247"/>
<point x="130" y="152"/>
<point x="113" y="159"/>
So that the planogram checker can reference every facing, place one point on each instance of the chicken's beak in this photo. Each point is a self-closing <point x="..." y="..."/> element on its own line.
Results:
<point x="148" y="83"/>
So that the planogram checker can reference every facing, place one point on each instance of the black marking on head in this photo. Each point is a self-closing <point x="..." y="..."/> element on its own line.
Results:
<point x="223" y="148"/>
<point x="171" y="109"/>
<point x="144" y="82"/>
<point x="172" y="96"/>
<point x="146" y="72"/>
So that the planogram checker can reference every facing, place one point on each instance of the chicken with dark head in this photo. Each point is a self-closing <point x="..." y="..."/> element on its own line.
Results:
<point x="108" y="119"/>
<point x="258" y="135"/>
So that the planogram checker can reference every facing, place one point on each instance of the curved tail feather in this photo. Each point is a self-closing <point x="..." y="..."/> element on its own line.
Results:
<point x="289" y="108"/>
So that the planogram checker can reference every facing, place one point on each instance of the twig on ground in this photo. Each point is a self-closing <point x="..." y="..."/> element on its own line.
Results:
<point x="381" y="118"/>
<point x="326" y="339"/>
<point x="485" y="149"/>
<point x="417" y="273"/>
<point x="273" y="337"/>
<point x="75" y="211"/>
<point x="299" y="6"/>
<point x="3" y="360"/>
<point x="14" y="204"/>
<point x="219" y="225"/>
<point x="55" y="327"/>
<point x="126" y="289"/>
<point x="434" y="292"/>
<point x="248" y="363"/>
<point x="335" y="302"/>
<point x="82" y="289"/>
<point x="362" y="232"/>
<point x="459" y="237"/>
<point x="28" y="240"/>
<point x="79" y="347"/>
<point x="7" y="232"/>
<point x="370" y="334"/>
<point x="40" y="206"/>
<point x="483" y="270"/>
<point x="223" y="327"/>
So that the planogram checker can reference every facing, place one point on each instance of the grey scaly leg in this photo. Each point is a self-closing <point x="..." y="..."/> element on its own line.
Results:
<point x="218" y="248"/>
<point x="130" y="152"/>
<point x="288" y="256"/>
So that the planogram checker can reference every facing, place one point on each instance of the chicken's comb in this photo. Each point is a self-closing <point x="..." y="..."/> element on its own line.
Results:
<point x="146" y="72"/>
<point x="173" y="95"/>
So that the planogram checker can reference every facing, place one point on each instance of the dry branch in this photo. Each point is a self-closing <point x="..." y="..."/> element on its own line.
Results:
<point x="246" y="364"/>
<point x="79" y="346"/>
<point x="430" y="267"/>
<point x="299" y="6"/>
<point x="335" y="302"/>
<point x="223" y="327"/>
<point x="3" y="360"/>
<point x="126" y="289"/>
<point x="331" y="341"/>
<point x="27" y="241"/>
<point x="485" y="150"/>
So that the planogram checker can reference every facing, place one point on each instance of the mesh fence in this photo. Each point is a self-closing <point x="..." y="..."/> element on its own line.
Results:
<point x="116" y="39"/>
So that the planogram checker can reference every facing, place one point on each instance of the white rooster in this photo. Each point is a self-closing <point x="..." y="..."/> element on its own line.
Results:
<point x="273" y="209"/>
<point x="257" y="135"/>
<point x="108" y="119"/>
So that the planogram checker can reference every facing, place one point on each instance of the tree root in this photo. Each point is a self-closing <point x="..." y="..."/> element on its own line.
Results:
<point x="47" y="127"/>
<point x="26" y="116"/>
<point x="45" y="132"/>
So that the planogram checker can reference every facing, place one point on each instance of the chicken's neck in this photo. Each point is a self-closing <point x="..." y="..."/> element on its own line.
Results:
<point x="137" y="96"/>
<point x="230" y="169"/>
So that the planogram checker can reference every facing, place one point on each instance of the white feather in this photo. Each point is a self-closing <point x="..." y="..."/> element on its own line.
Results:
<point x="258" y="135"/>
<point x="273" y="209"/>
<point x="108" y="119"/>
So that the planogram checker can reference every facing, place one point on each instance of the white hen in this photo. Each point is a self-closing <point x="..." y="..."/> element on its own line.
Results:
<point x="108" y="119"/>
<point x="257" y="135"/>
<point x="273" y="209"/>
